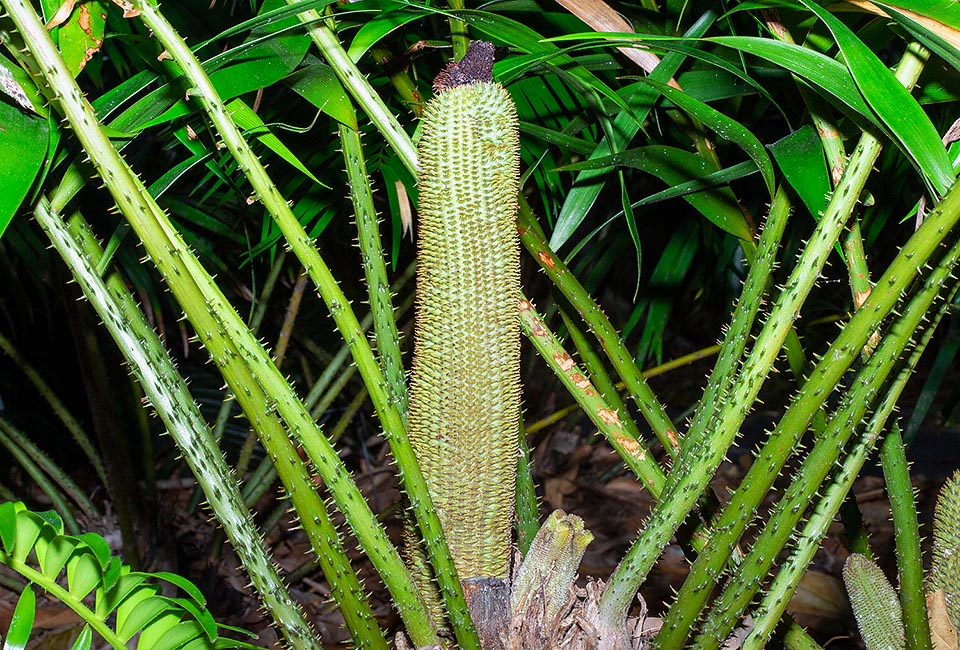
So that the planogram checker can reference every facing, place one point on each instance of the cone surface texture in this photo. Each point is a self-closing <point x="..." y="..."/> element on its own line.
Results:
<point x="465" y="385"/>
<point x="945" y="572"/>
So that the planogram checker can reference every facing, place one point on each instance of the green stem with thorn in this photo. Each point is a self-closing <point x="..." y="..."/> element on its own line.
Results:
<point x="163" y="385"/>
<point x="266" y="397"/>
<point x="348" y="325"/>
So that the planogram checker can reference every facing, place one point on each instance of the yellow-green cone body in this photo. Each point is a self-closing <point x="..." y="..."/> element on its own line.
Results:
<point x="945" y="571"/>
<point x="465" y="386"/>
<point x="875" y="604"/>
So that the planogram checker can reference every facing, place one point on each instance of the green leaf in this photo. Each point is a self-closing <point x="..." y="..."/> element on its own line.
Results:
<point x="109" y="599"/>
<point x="154" y="631"/>
<point x="20" y="87"/>
<point x="718" y="178"/>
<point x="112" y="572"/>
<point x="276" y="28"/>
<point x="206" y="220"/>
<point x="21" y="624"/>
<point x="318" y="84"/>
<point x="183" y="633"/>
<point x="172" y="175"/>
<point x="945" y="13"/>
<point x="897" y="108"/>
<point x="631" y="220"/>
<point x="224" y="642"/>
<point x="825" y="75"/>
<point x="547" y="101"/>
<point x="82" y="34"/>
<point x="800" y="157"/>
<point x="588" y="183"/>
<point x="664" y="287"/>
<point x="85" y="639"/>
<point x="179" y="581"/>
<point x="259" y="66"/>
<point x="146" y="110"/>
<point x="266" y="21"/>
<point x="99" y="547"/>
<point x="83" y="572"/>
<point x="718" y="79"/>
<point x="29" y="525"/>
<point x="723" y="126"/>
<point x="202" y="616"/>
<point x="120" y="94"/>
<point x="933" y="37"/>
<point x="138" y="610"/>
<point x="383" y="23"/>
<point x="712" y="85"/>
<point x="237" y="630"/>
<point x="51" y="517"/>
<point x="57" y="553"/>
<point x="8" y="524"/>
<point x="675" y="166"/>
<point x="23" y="148"/>
<point x="202" y="153"/>
<point x="248" y="120"/>
<point x="90" y="567"/>
<point x="201" y="643"/>
<point x="47" y="537"/>
<point x="48" y="534"/>
<point x="570" y="143"/>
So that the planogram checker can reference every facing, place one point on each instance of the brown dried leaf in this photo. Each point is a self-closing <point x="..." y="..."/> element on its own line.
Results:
<point x="820" y="594"/>
<point x="602" y="18"/>
<point x="556" y="488"/>
<point x="129" y="11"/>
<point x="406" y="211"/>
<point x="942" y="633"/>
<point x="60" y="17"/>
<point x="945" y="32"/>
<point x="626" y="488"/>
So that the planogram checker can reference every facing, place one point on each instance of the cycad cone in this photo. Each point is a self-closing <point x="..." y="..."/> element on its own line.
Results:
<point x="465" y="386"/>
<point x="945" y="570"/>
